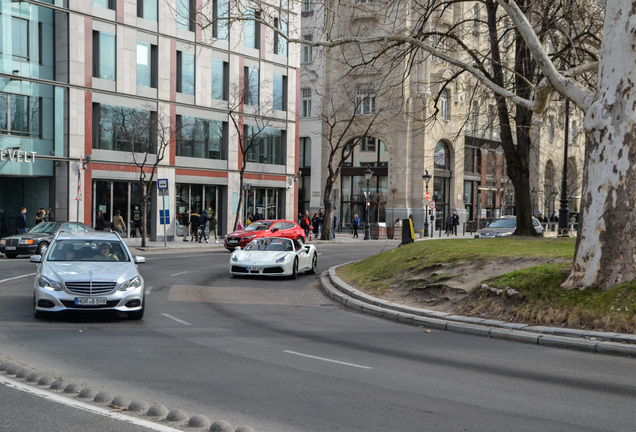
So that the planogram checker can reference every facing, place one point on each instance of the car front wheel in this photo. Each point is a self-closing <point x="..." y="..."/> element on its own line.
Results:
<point x="294" y="273"/>
<point x="42" y="248"/>
<point x="314" y="265"/>
<point x="136" y="315"/>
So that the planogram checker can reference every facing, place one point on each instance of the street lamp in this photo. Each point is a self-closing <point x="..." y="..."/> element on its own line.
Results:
<point x="427" y="178"/>
<point x="367" y="229"/>
<point x="564" y="212"/>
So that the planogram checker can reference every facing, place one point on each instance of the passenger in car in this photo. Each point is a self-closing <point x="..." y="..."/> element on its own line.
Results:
<point x="105" y="253"/>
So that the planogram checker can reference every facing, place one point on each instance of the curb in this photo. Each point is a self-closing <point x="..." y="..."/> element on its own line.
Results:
<point x="172" y="420"/>
<point x="618" y="344"/>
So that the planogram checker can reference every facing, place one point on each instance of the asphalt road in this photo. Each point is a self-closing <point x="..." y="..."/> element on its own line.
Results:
<point x="278" y="356"/>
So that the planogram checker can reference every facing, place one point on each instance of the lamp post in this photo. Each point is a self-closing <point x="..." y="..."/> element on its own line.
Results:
<point x="81" y="166"/>
<point x="367" y="229"/>
<point x="427" y="178"/>
<point x="564" y="212"/>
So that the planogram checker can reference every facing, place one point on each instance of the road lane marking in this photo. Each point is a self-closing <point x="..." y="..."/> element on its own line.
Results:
<point x="326" y="359"/>
<point x="17" y="277"/>
<point x="176" y="319"/>
<point x="180" y="273"/>
<point x="65" y="400"/>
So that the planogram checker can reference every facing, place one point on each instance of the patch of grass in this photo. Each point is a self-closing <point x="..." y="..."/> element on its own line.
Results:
<point x="381" y="270"/>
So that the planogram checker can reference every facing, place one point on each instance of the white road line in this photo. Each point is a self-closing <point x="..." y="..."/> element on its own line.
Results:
<point x="65" y="400"/>
<point x="17" y="277"/>
<point x="327" y="360"/>
<point x="180" y="273"/>
<point x="176" y="319"/>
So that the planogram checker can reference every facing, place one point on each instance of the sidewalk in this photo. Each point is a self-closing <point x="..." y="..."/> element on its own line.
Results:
<point x="178" y="243"/>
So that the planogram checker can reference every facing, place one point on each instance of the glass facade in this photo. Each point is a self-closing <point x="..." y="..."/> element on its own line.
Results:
<point x="144" y="64"/>
<point x="104" y="56"/>
<point x="125" y="197"/>
<point x="251" y="88"/>
<point x="122" y="129"/>
<point x="220" y="81"/>
<point x="280" y="92"/>
<point x="221" y="13"/>
<point x="265" y="145"/>
<point x="185" y="73"/>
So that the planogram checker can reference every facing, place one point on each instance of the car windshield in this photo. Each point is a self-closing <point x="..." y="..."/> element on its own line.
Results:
<point x="503" y="223"/>
<point x="258" y="226"/>
<point x="270" y="244"/>
<point x="88" y="250"/>
<point x="45" y="228"/>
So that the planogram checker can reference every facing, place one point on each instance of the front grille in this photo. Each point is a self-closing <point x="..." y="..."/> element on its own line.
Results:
<point x="239" y="269"/>
<point x="12" y="241"/>
<point x="71" y="304"/>
<point x="273" y="270"/>
<point x="89" y="288"/>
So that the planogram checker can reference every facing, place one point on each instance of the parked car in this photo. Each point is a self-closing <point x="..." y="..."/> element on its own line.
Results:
<point x="265" y="228"/>
<point x="274" y="256"/>
<point x="505" y="226"/>
<point x="38" y="239"/>
<point x="91" y="270"/>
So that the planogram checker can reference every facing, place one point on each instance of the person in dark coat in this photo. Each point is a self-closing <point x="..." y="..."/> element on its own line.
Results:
<point x="315" y="222"/>
<point x="185" y="222"/>
<point x="21" y="222"/>
<point x="194" y="226"/>
<point x="100" y="223"/>
<point x="203" y="222"/>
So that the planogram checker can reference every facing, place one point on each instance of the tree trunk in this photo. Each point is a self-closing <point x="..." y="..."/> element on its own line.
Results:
<point x="327" y="221"/>
<point x="144" y="210"/>
<point x="606" y="242"/>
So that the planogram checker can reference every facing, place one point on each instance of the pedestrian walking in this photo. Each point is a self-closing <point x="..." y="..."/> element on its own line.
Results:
<point x="355" y="224"/>
<point x="100" y="222"/>
<point x="455" y="221"/>
<point x="213" y="225"/>
<point x="194" y="226"/>
<point x="321" y="218"/>
<point x="185" y="223"/>
<point x="119" y="224"/>
<point x="203" y="222"/>
<point x="21" y="222"/>
<point x="315" y="222"/>
<point x="41" y="216"/>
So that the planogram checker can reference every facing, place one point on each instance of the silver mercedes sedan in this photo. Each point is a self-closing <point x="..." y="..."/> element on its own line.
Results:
<point x="88" y="271"/>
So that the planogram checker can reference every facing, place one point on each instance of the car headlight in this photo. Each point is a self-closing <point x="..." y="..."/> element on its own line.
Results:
<point x="250" y="237"/>
<point x="282" y="259"/>
<point x="130" y="284"/>
<point x="504" y="234"/>
<point x="234" y="258"/>
<point x="26" y="241"/>
<point x="3" y="242"/>
<point x="48" y="284"/>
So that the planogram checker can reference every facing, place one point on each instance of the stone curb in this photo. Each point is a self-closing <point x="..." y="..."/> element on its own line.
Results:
<point x="618" y="344"/>
<point x="176" y="418"/>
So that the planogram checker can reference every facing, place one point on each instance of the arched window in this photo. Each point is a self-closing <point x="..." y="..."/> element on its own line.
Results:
<point x="443" y="105"/>
<point x="442" y="156"/>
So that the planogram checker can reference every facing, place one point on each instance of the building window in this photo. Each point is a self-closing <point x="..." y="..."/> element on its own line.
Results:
<point x="20" y="115"/>
<point x="186" y="14"/>
<point x="367" y="144"/>
<point x="146" y="64"/>
<point x="252" y="30"/>
<point x="185" y="73"/>
<point x="305" y="110"/>
<point x="19" y="39"/>
<point x="221" y="15"/>
<point x="442" y="156"/>
<point x="280" y="43"/>
<point x="106" y="4"/>
<point x="104" y="55"/>
<point x="220" y="81"/>
<point x="550" y="128"/>
<point x="201" y="138"/>
<point x="475" y="19"/>
<point x="304" y="152"/>
<point x="266" y="145"/>
<point x="443" y="105"/>
<point x="280" y="92"/>
<point x="147" y="9"/>
<point x="251" y="86"/>
<point x="365" y="99"/>
<point x="365" y="1"/>
<point x="307" y="50"/>
<point x="307" y="5"/>
<point x="123" y="129"/>
<point x="472" y="160"/>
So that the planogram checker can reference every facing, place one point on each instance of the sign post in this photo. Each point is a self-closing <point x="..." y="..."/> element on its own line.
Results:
<point x="164" y="216"/>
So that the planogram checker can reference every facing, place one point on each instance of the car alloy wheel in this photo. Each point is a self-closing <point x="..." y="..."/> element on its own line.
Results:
<point x="314" y="265"/>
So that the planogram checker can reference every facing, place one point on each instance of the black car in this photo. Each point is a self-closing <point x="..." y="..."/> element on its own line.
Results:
<point x="38" y="239"/>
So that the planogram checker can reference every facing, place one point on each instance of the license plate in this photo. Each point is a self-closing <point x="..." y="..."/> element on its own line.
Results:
<point x="232" y="241"/>
<point x="252" y="268"/>
<point x="90" y="301"/>
<point x="9" y="248"/>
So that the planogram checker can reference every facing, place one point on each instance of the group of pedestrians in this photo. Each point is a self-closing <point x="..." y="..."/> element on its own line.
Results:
<point x="313" y="224"/>
<point x="195" y="225"/>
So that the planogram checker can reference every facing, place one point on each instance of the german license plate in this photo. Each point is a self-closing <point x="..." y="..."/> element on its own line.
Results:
<point x="233" y="241"/>
<point x="9" y="248"/>
<point x="90" y="301"/>
<point x="252" y="268"/>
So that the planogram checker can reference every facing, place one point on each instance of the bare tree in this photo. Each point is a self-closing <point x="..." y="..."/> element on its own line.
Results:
<point x="146" y="135"/>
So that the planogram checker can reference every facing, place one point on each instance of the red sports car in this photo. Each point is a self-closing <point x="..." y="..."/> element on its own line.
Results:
<point x="264" y="228"/>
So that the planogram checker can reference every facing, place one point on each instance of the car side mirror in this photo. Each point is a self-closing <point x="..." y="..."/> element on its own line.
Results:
<point x="140" y="260"/>
<point x="36" y="259"/>
<point x="274" y="230"/>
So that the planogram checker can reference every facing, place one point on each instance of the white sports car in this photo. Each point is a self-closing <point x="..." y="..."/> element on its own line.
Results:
<point x="274" y="256"/>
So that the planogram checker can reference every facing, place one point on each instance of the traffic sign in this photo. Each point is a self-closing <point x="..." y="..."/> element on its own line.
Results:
<point x="431" y="205"/>
<point x="425" y="201"/>
<point x="428" y="195"/>
<point x="162" y="183"/>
